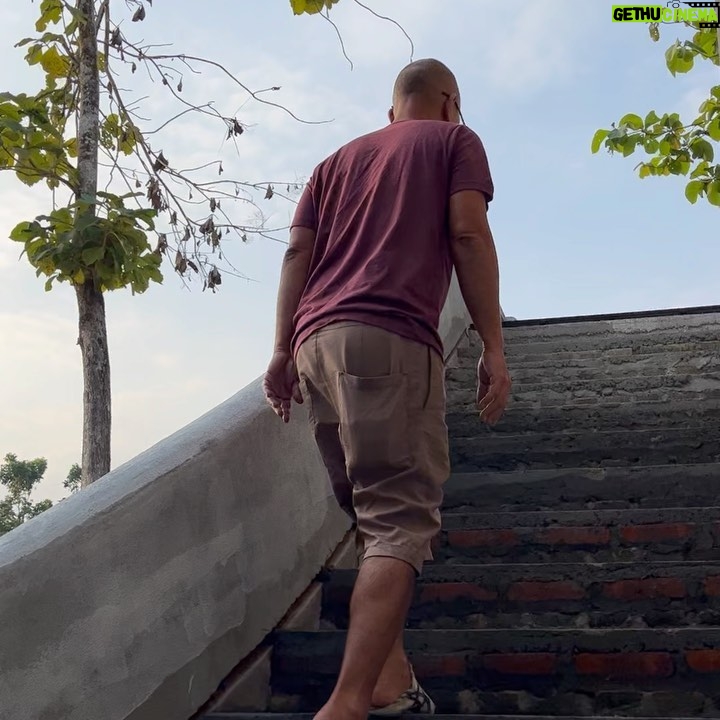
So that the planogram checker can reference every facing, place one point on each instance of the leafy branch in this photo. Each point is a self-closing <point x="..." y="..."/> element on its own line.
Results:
<point x="676" y="147"/>
<point x="189" y="214"/>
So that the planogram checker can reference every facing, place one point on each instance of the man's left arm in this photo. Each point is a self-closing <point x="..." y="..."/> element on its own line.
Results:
<point x="293" y="279"/>
<point x="281" y="381"/>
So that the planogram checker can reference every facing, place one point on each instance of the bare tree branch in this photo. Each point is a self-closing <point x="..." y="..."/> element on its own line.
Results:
<point x="394" y="22"/>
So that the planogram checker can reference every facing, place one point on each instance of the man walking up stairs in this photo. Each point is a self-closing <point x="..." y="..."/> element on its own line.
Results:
<point x="577" y="573"/>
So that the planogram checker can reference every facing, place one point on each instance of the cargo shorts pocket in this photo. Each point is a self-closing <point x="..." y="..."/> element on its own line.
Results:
<point x="374" y="424"/>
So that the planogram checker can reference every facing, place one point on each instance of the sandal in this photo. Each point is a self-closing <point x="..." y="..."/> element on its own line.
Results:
<point x="414" y="700"/>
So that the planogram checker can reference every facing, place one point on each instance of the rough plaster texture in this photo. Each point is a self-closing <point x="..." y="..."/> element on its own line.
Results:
<point x="133" y="599"/>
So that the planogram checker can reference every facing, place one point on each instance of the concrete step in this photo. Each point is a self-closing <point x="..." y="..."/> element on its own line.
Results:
<point x="562" y="536"/>
<point x="640" y="342"/>
<point x="680" y="414"/>
<point x="585" y="448"/>
<point x="549" y="330"/>
<point x="649" y="388"/>
<point x="310" y="716"/>
<point x="672" y="363"/>
<point x="659" y="594"/>
<point x="523" y="356"/>
<point x="584" y="488"/>
<point x="618" y="672"/>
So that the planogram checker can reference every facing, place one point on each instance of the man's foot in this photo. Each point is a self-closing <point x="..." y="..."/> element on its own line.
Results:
<point x="413" y="700"/>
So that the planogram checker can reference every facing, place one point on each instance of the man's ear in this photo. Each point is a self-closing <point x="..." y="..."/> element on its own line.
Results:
<point x="448" y="106"/>
<point x="446" y="110"/>
<point x="391" y="115"/>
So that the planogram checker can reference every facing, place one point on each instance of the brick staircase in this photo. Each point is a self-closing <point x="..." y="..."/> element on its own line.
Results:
<point x="578" y="570"/>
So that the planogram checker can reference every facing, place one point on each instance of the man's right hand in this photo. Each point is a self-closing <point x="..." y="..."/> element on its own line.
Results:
<point x="494" y="384"/>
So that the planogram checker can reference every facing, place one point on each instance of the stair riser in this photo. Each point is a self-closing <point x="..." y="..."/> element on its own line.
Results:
<point x="621" y="326"/>
<point x="566" y="450"/>
<point x="534" y="672"/>
<point x="525" y="357"/>
<point x="464" y="369"/>
<point x="629" y="540"/>
<point x="512" y="597"/>
<point x="701" y="391"/>
<point x="528" y="378"/>
<point x="577" y="493"/>
<point x="530" y="697"/>
<point x="638" y="343"/>
<point x="466" y="460"/>
<point x="642" y="416"/>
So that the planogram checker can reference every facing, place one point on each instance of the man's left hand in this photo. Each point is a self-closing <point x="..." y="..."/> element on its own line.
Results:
<point x="282" y="385"/>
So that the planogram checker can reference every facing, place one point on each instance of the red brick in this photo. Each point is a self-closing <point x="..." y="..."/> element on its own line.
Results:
<point x="703" y="661"/>
<point x="620" y="666"/>
<point x="447" y="592"/>
<point x="712" y="586"/>
<point x="521" y="663"/>
<point x="574" y="536"/>
<point x="645" y="588"/>
<point x="657" y="532"/>
<point x="527" y="591"/>
<point x="482" y="538"/>
<point x="440" y="666"/>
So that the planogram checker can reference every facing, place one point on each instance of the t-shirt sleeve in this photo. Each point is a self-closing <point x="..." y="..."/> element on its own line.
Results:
<point x="306" y="211"/>
<point x="469" y="165"/>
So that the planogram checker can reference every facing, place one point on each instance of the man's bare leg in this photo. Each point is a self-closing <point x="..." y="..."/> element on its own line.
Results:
<point x="395" y="677"/>
<point x="378" y="610"/>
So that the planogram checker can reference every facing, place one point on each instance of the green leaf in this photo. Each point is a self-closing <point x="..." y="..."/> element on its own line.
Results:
<point x="651" y="119"/>
<point x="713" y="193"/>
<point x="51" y="13"/>
<point x="645" y="171"/>
<point x="629" y="144"/>
<point x="26" y="231"/>
<point x="633" y="121"/>
<point x="713" y="129"/>
<point x="55" y="64"/>
<point x="34" y="55"/>
<point x="311" y="7"/>
<point x="679" y="59"/>
<point x="598" y="138"/>
<point x="701" y="169"/>
<point x="90" y="256"/>
<point x="715" y="92"/>
<point x="48" y="285"/>
<point x="651" y="145"/>
<point x="701" y="148"/>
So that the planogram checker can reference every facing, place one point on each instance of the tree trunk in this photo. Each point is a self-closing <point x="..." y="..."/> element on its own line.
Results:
<point x="91" y="304"/>
<point x="96" y="375"/>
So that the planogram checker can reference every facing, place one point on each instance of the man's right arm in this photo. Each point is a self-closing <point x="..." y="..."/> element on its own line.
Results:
<point x="475" y="259"/>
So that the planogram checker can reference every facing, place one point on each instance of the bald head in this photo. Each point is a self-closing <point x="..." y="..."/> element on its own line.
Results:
<point x="425" y="89"/>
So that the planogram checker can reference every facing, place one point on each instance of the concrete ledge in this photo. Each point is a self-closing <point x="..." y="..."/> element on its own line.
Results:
<point x="136" y="597"/>
<point x="633" y="315"/>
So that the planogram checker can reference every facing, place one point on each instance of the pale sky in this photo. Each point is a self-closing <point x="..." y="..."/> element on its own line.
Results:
<point x="576" y="233"/>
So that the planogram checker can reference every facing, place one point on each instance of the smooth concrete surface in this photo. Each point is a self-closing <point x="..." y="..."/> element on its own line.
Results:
<point x="135" y="598"/>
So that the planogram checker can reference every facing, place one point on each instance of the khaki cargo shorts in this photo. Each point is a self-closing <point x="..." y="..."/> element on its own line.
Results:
<point x="377" y="406"/>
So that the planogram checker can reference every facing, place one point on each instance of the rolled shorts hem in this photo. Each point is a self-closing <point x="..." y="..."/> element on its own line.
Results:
<point x="415" y="557"/>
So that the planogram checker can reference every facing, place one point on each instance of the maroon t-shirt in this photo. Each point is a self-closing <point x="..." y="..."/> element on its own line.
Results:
<point x="379" y="207"/>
